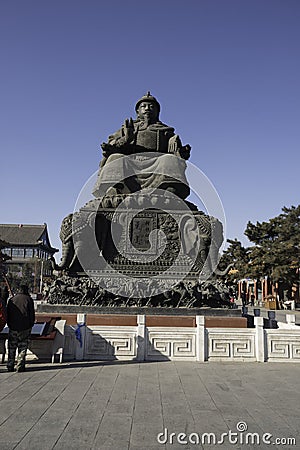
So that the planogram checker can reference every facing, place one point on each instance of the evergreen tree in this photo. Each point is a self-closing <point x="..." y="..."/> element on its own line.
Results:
<point x="276" y="251"/>
<point x="237" y="255"/>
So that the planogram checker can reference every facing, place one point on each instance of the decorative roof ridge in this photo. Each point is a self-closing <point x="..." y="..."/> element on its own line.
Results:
<point x="26" y="235"/>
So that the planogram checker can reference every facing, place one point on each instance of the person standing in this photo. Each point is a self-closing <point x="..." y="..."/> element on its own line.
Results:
<point x="20" y="320"/>
<point x="3" y="315"/>
<point x="244" y="298"/>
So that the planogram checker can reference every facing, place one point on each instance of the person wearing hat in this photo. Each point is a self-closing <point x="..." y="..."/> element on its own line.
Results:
<point x="145" y="134"/>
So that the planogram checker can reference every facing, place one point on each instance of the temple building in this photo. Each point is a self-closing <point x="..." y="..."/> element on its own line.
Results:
<point x="28" y="248"/>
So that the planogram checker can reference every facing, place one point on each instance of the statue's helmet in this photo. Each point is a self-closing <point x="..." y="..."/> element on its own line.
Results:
<point x="147" y="98"/>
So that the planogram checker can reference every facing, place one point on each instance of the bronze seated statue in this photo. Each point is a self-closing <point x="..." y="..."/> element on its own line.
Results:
<point x="161" y="238"/>
<point x="157" y="156"/>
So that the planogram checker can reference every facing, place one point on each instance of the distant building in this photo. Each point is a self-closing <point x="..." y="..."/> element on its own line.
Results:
<point x="266" y="292"/>
<point x="27" y="244"/>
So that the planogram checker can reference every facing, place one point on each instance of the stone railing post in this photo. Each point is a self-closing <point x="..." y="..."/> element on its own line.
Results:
<point x="141" y="334"/>
<point x="80" y="334"/>
<point x="290" y="319"/>
<point x="259" y="339"/>
<point x="201" y="350"/>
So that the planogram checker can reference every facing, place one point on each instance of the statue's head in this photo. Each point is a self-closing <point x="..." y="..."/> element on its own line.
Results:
<point x="148" y="108"/>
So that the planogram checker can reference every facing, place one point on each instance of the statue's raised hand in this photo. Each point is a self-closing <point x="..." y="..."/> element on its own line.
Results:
<point x="128" y="131"/>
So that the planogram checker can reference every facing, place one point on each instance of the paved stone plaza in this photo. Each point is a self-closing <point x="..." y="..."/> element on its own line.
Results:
<point x="119" y="405"/>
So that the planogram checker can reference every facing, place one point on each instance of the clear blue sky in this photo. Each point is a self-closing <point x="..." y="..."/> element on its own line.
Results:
<point x="226" y="73"/>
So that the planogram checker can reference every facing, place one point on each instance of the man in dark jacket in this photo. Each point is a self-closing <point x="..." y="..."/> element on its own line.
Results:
<point x="20" y="320"/>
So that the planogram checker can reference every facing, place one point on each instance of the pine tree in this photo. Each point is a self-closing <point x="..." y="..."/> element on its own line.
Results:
<point x="276" y="252"/>
<point x="237" y="255"/>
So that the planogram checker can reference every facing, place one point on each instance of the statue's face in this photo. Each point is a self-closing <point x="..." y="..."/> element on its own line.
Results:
<point x="148" y="111"/>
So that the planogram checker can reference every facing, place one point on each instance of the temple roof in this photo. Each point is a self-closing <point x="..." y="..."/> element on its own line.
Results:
<point x="26" y="235"/>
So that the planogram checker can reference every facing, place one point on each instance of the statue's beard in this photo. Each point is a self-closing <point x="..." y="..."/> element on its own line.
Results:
<point x="146" y="120"/>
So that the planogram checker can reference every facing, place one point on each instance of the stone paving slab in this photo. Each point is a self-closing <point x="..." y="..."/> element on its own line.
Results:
<point x="126" y="405"/>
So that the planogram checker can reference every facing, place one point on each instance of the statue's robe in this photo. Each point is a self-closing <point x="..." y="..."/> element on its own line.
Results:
<point x="145" y="162"/>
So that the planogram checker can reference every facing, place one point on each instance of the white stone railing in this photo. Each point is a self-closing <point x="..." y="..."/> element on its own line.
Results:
<point x="191" y="343"/>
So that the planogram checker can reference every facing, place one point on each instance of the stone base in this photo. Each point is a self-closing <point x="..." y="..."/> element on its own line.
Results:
<point x="142" y="240"/>
<point x="77" y="309"/>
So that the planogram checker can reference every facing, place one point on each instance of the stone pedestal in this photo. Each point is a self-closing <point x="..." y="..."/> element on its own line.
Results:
<point x="135" y="239"/>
